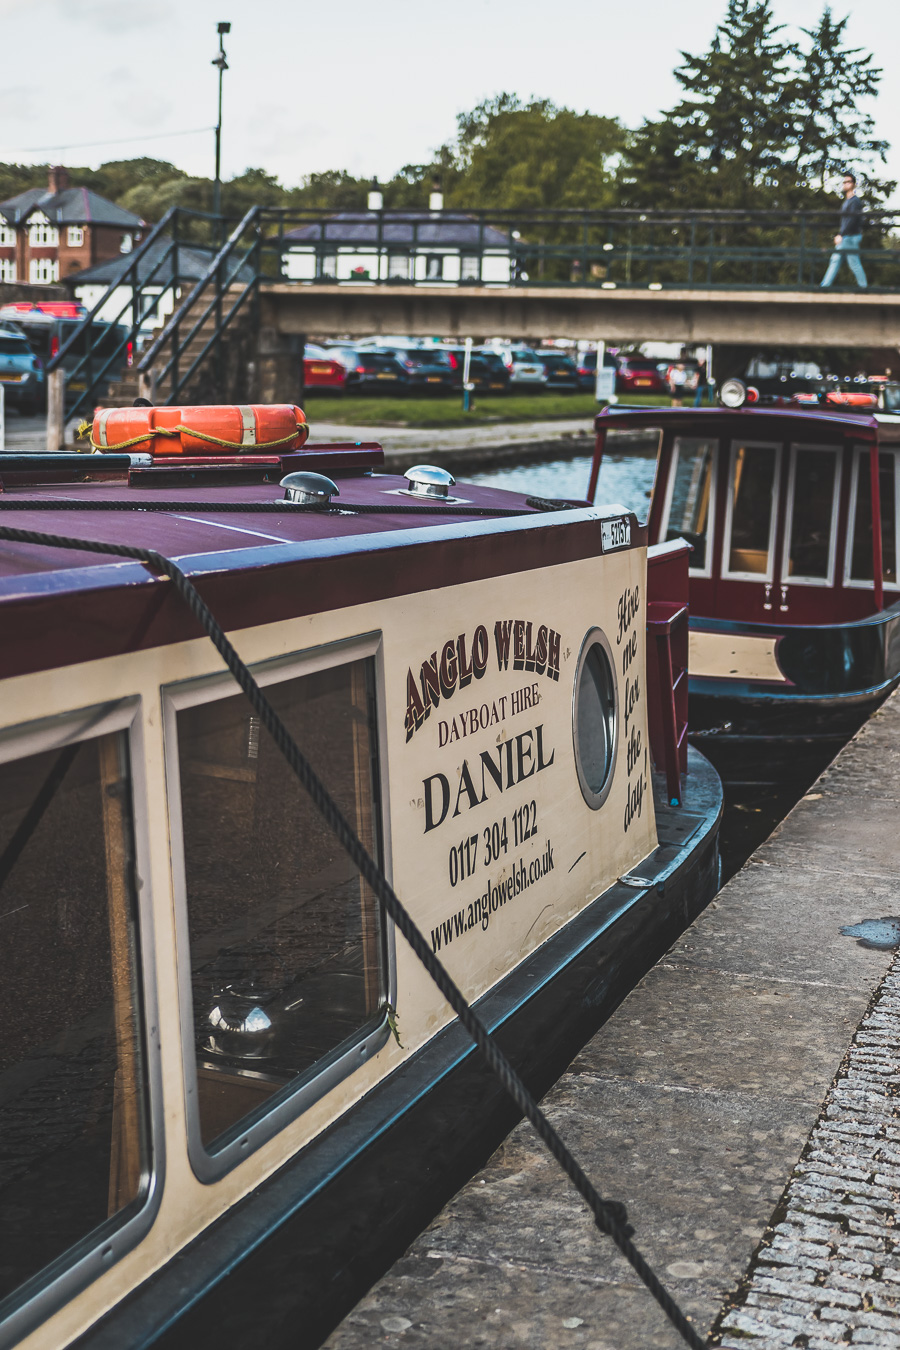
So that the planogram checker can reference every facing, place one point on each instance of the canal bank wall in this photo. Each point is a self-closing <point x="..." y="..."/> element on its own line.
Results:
<point x="741" y="1102"/>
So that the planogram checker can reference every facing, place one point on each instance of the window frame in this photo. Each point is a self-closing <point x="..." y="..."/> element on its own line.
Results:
<point x="35" y="1301"/>
<point x="788" y="579"/>
<point x="596" y="799"/>
<point x="75" y="236"/>
<point x="43" y="271"/>
<point x="856" y="583"/>
<point x="707" y="569"/>
<point x="42" y="233"/>
<point x="311" y="1086"/>
<point x="725" y="572"/>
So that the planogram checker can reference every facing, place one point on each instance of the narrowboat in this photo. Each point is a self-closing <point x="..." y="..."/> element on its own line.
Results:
<point x="229" y="1094"/>
<point x="791" y="514"/>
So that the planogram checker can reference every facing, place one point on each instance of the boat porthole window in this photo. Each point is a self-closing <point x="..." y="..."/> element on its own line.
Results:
<point x="594" y="718"/>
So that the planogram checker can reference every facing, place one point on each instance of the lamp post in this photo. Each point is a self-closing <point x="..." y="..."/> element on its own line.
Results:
<point x="222" y="65"/>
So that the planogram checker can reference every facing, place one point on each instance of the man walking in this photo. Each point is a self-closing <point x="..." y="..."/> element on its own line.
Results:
<point x="849" y="241"/>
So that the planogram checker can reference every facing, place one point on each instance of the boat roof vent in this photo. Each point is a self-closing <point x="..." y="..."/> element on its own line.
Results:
<point x="425" y="480"/>
<point x="309" y="488"/>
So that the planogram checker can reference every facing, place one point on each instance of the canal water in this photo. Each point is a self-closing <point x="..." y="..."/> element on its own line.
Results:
<point x="751" y="813"/>
<point x="625" y="479"/>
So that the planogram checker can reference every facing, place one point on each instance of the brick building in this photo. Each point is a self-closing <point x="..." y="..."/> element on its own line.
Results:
<point x="47" y="233"/>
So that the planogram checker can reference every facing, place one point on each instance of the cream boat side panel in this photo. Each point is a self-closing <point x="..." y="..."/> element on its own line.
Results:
<point x="589" y="849"/>
<point x="728" y="656"/>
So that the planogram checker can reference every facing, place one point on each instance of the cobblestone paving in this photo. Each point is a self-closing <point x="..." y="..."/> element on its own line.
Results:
<point x="827" y="1273"/>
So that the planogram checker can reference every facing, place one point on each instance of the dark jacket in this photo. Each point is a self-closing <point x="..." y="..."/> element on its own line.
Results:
<point x="851" y="217"/>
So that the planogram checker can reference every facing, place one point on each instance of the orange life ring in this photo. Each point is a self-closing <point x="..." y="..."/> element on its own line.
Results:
<point x="218" y="429"/>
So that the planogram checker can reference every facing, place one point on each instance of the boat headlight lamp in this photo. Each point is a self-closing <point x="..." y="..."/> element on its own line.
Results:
<point x="733" y="393"/>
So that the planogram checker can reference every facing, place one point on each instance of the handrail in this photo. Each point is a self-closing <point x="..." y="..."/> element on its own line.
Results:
<point x="174" y="323"/>
<point x="135" y="258"/>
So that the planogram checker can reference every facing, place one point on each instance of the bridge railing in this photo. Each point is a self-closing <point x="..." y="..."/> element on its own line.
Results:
<point x="699" y="249"/>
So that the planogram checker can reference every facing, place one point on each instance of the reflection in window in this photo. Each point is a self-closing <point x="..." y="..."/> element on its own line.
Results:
<point x="285" y="938"/>
<point x="692" y="479"/>
<point x="752" y="500"/>
<point x="812" y="515"/>
<point x="861" y="556"/>
<point x="73" y="1136"/>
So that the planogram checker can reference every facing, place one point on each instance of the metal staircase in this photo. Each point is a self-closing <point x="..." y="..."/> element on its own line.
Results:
<point x="202" y="353"/>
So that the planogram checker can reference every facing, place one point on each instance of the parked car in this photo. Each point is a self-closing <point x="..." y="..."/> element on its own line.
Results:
<point x="526" y="369"/>
<point x="428" y="368"/>
<point x="47" y="333"/>
<point x="370" y="370"/>
<point x="323" y="370"/>
<point x="487" y="371"/>
<point x="586" y="366"/>
<point x="561" y="370"/>
<point x="639" y="375"/>
<point x="21" y="372"/>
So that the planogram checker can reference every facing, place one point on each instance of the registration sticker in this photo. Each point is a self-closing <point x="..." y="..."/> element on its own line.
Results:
<point x="615" y="534"/>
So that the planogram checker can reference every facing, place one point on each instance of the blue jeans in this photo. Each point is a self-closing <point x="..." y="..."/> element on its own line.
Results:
<point x="848" y="248"/>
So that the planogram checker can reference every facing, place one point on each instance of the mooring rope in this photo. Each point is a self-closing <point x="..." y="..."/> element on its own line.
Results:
<point x="610" y="1216"/>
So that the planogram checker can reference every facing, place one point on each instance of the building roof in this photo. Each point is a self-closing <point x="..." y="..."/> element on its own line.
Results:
<point x="72" y="206"/>
<point x="453" y="229"/>
<point x="192" y="265"/>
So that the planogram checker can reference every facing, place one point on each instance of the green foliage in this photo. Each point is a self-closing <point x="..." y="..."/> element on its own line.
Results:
<point x="762" y="123"/>
<point x="512" y="155"/>
<point x="833" y="132"/>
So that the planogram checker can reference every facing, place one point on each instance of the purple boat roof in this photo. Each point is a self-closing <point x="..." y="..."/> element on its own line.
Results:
<point x="110" y="512"/>
<point x="747" y="421"/>
<point x="62" y="606"/>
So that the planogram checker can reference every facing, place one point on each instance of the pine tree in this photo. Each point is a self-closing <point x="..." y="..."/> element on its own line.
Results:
<point x="834" y="133"/>
<point x="731" y="133"/>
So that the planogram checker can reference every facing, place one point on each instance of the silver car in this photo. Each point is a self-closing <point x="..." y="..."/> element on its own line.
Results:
<point x="526" y="369"/>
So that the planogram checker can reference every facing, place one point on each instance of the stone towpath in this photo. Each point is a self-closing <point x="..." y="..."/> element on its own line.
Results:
<point x="742" y="1101"/>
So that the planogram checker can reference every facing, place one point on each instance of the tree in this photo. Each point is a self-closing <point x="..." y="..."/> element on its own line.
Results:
<point x="833" y="132"/>
<point x="510" y="155"/>
<point x="729" y="142"/>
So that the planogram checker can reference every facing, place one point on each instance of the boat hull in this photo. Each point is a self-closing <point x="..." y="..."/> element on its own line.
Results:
<point x="291" y="1260"/>
<point x="831" y="678"/>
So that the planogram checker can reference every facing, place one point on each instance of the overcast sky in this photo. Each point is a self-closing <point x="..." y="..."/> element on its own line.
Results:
<point x="364" y="85"/>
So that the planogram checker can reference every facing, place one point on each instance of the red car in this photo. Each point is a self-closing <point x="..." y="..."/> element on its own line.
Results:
<point x="322" y="371"/>
<point x="639" y="375"/>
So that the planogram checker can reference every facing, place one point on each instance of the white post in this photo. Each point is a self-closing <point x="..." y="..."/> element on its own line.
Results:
<point x="56" y="410"/>
<point x="601" y="355"/>
<point x="467" y="368"/>
<point x="2" y="418"/>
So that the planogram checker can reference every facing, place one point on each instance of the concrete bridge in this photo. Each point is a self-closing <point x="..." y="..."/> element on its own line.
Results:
<point x="834" y="318"/>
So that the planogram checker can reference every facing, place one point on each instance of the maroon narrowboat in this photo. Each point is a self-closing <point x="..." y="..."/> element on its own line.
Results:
<point x="230" y="1094"/>
<point x="794" y="595"/>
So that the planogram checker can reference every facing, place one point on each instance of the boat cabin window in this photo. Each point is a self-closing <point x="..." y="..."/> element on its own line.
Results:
<point x="286" y="950"/>
<point x="860" y="548"/>
<point x="630" y="459"/>
<point x="692" y="493"/>
<point x="750" y="517"/>
<point x="812" y="511"/>
<point x="73" y="1097"/>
